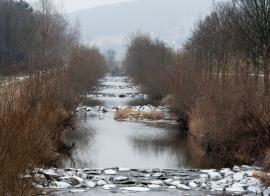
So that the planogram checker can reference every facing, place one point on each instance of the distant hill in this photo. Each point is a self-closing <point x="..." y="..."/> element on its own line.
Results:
<point x="110" y="26"/>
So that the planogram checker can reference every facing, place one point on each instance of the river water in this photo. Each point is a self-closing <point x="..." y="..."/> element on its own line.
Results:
<point x="102" y="142"/>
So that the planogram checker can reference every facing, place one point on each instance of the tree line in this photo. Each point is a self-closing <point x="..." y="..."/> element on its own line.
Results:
<point x="218" y="83"/>
<point x="36" y="42"/>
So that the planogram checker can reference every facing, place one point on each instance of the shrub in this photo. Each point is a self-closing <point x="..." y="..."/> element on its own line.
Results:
<point x="232" y="123"/>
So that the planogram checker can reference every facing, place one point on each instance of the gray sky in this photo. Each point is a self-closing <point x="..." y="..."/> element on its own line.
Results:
<point x="74" y="5"/>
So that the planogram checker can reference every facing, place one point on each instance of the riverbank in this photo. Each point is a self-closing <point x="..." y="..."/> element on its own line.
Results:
<point x="238" y="180"/>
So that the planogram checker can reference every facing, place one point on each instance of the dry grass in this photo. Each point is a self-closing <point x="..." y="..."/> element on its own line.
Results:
<point x="128" y="113"/>
<point x="153" y="115"/>
<point x="264" y="178"/>
<point x="232" y="123"/>
<point x="122" y="114"/>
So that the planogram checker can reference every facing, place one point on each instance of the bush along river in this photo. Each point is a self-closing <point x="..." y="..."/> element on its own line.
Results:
<point x="122" y="145"/>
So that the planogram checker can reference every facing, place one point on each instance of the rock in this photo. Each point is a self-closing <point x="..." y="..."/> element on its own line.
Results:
<point x="110" y="172"/>
<point x="204" y="176"/>
<point x="59" y="185"/>
<point x="251" y="181"/>
<point x="78" y="178"/>
<point x="135" y="189"/>
<point x="147" y="175"/>
<point x="104" y="110"/>
<point x="255" y="189"/>
<point x="236" y="168"/>
<point x="215" y="175"/>
<point x="192" y="184"/>
<point x="236" y="188"/>
<point x="158" y="175"/>
<point x="168" y="181"/>
<point x="40" y="179"/>
<point x="250" y="173"/>
<point x="217" y="186"/>
<point x="225" y="170"/>
<point x="93" y="172"/>
<point x="51" y="174"/>
<point x="88" y="184"/>
<point x="37" y="186"/>
<point x="122" y="95"/>
<point x="109" y="186"/>
<point x="175" y="183"/>
<point x="153" y="186"/>
<point x="183" y="187"/>
<point x="238" y="176"/>
<point x="124" y="169"/>
<point x="266" y="192"/>
<point x="203" y="185"/>
<point x="70" y="180"/>
<point x="101" y="183"/>
<point x="157" y="182"/>
<point x="120" y="178"/>
<point x="172" y="187"/>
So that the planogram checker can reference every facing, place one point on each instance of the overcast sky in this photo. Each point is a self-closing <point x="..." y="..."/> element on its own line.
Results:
<point x="74" y="5"/>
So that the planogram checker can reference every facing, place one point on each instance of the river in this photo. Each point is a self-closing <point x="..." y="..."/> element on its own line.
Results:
<point x="102" y="142"/>
<point x="99" y="141"/>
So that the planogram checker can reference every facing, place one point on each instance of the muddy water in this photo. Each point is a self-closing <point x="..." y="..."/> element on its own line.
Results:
<point x="102" y="142"/>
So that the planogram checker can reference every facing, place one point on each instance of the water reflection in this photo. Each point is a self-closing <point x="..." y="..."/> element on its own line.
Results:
<point x="101" y="141"/>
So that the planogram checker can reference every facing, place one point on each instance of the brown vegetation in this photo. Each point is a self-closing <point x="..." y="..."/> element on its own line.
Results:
<point x="35" y="111"/>
<point x="128" y="113"/>
<point x="219" y="82"/>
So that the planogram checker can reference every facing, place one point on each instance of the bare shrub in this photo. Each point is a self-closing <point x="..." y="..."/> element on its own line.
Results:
<point x="230" y="123"/>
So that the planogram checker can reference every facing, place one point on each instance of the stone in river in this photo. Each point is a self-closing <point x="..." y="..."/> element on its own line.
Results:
<point x="122" y="95"/>
<point x="101" y="183"/>
<point x="70" y="180"/>
<point x="238" y="176"/>
<point x="158" y="175"/>
<point x="120" y="178"/>
<point x="41" y="179"/>
<point x="236" y="188"/>
<point x="51" y="174"/>
<point x="60" y="185"/>
<point x="135" y="189"/>
<point x="225" y="170"/>
<point x="110" y="172"/>
<point x="250" y="173"/>
<point x="153" y="186"/>
<point x="192" y="184"/>
<point x="93" y="172"/>
<point x="124" y="169"/>
<point x="88" y="184"/>
<point x="236" y="168"/>
<point x="214" y="175"/>
<point x="255" y="189"/>
<point x="183" y="187"/>
<point x="109" y="186"/>
<point x="104" y="110"/>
